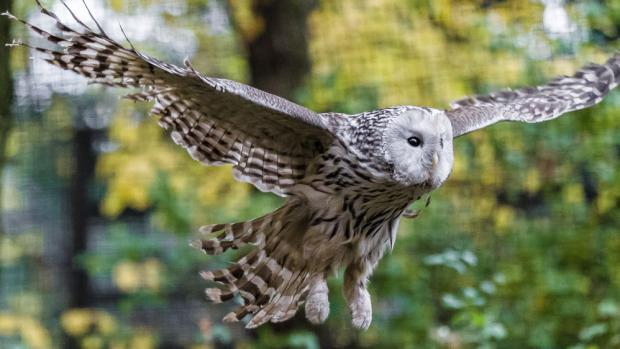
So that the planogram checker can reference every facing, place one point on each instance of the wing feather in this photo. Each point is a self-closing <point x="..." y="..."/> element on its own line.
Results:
<point x="586" y="87"/>
<point x="215" y="120"/>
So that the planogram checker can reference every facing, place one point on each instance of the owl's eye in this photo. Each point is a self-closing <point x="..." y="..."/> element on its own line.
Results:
<point x="414" y="141"/>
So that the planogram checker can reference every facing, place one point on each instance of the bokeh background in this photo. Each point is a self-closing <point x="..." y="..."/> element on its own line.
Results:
<point x="519" y="249"/>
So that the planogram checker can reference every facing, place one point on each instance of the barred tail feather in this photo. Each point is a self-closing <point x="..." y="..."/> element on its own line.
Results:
<point x="285" y="304"/>
<point x="271" y="280"/>
<point x="234" y="235"/>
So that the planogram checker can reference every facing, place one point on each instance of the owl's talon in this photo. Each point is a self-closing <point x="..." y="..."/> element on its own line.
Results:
<point x="317" y="303"/>
<point x="411" y="214"/>
<point x="361" y="311"/>
<point x="362" y="321"/>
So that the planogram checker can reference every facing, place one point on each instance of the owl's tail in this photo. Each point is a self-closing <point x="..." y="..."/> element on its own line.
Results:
<point x="271" y="279"/>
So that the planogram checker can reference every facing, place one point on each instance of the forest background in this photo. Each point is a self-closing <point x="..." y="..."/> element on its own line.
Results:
<point x="519" y="249"/>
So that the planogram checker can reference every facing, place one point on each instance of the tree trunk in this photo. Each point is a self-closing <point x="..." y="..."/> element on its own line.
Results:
<point x="80" y="293"/>
<point x="6" y="94"/>
<point x="84" y="168"/>
<point x="278" y="56"/>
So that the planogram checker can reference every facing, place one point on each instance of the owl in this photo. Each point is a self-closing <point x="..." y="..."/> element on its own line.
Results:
<point x="347" y="179"/>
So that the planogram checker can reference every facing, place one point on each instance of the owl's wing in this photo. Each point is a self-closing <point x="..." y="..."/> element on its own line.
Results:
<point x="536" y="104"/>
<point x="268" y="140"/>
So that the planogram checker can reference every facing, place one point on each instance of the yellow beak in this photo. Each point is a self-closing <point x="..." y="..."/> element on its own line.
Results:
<point x="435" y="160"/>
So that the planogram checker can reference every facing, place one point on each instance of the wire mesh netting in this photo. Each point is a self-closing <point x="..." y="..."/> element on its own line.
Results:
<point x="519" y="249"/>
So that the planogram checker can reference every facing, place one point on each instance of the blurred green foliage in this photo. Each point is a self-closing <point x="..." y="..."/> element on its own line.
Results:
<point x="519" y="249"/>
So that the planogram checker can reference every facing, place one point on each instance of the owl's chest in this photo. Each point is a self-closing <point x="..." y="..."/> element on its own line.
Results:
<point x="352" y="199"/>
<point x="353" y="222"/>
<point x="345" y="182"/>
<point x="369" y="208"/>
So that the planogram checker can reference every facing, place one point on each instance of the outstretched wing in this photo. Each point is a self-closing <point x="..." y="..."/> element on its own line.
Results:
<point x="536" y="104"/>
<point x="268" y="140"/>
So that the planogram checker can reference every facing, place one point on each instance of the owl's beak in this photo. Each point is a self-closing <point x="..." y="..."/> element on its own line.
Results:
<point x="435" y="160"/>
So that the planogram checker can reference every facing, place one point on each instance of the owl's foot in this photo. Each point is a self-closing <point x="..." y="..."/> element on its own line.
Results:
<point x="356" y="293"/>
<point x="361" y="310"/>
<point x="317" y="302"/>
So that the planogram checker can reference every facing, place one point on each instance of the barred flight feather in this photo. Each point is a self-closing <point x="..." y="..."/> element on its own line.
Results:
<point x="586" y="87"/>
<point x="214" y="119"/>
<point x="270" y="283"/>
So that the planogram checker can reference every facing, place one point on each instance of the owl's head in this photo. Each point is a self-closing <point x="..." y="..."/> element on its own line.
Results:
<point x="418" y="144"/>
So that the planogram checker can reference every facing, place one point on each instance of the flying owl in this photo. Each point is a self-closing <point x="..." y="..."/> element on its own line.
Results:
<point x="347" y="179"/>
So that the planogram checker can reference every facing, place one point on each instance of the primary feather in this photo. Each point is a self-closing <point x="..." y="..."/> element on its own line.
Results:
<point x="585" y="88"/>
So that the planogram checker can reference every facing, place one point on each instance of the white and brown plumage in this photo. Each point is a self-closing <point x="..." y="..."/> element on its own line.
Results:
<point x="348" y="179"/>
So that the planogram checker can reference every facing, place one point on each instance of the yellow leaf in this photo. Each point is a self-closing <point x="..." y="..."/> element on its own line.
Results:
<point x="126" y="276"/>
<point x="76" y="322"/>
<point x="504" y="218"/>
<point x="117" y="5"/>
<point x="105" y="323"/>
<point x="532" y="181"/>
<point x="10" y="251"/>
<point x="151" y="273"/>
<point x="92" y="342"/>
<point x="249" y="25"/>
<point x="144" y="339"/>
<point x="573" y="193"/>
<point x="606" y="201"/>
<point x="8" y="324"/>
<point x="34" y="334"/>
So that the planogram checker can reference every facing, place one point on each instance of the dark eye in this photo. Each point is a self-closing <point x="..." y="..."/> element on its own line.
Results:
<point x="414" y="141"/>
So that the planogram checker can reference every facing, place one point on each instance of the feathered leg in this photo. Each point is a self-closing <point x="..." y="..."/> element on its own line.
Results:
<point x="356" y="294"/>
<point x="317" y="301"/>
